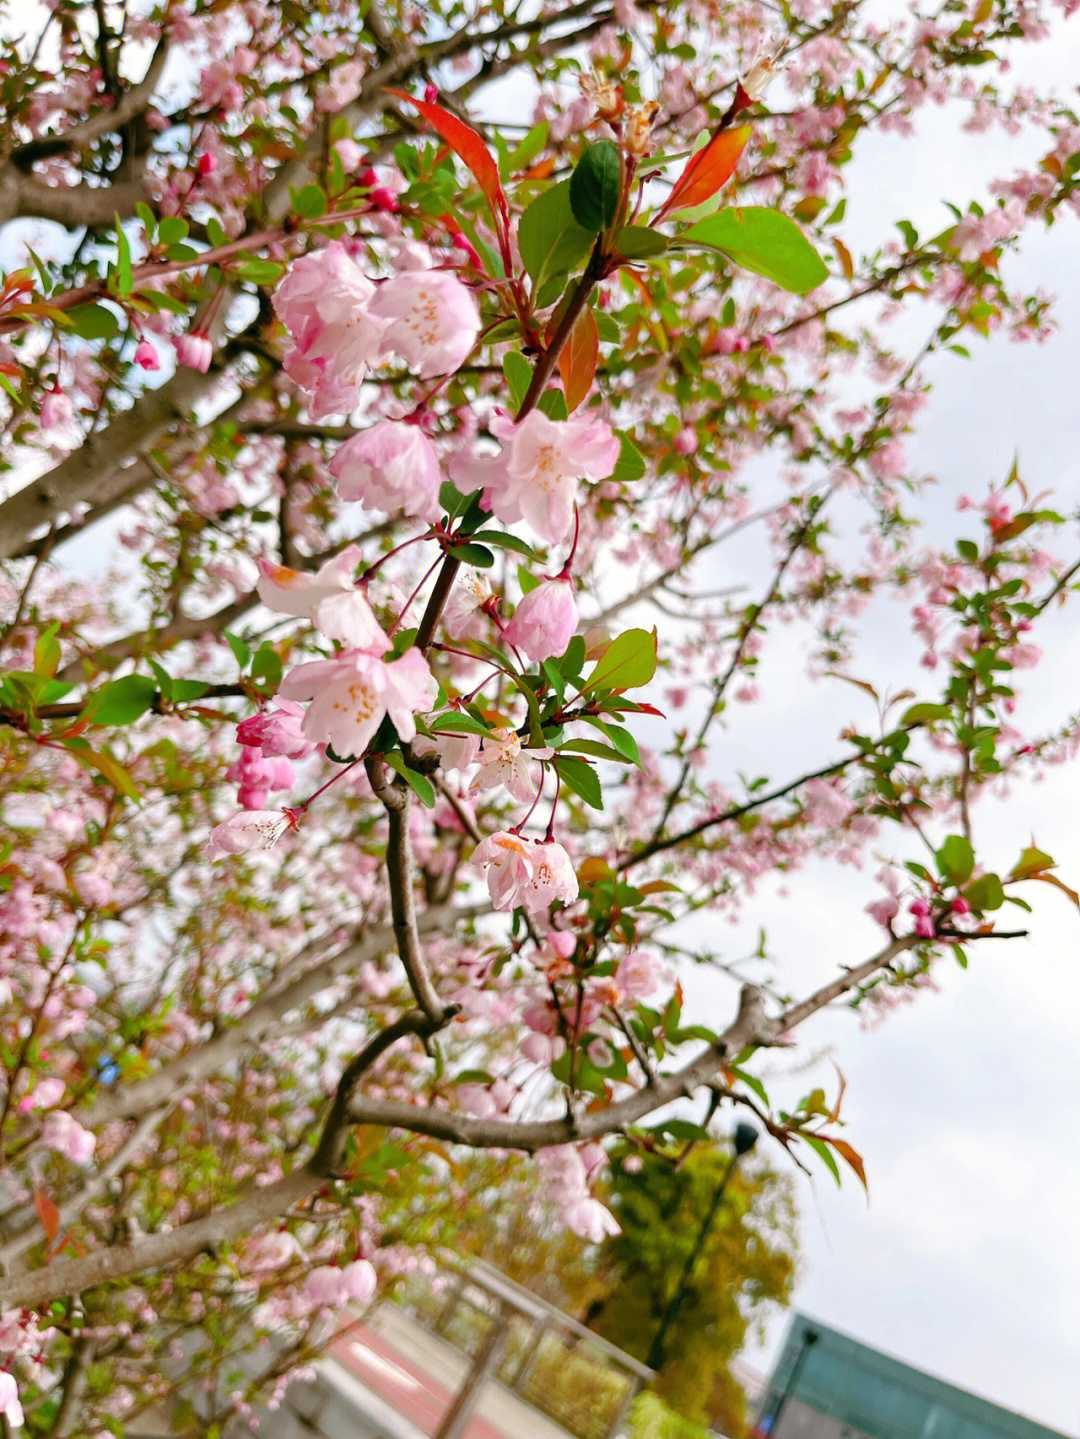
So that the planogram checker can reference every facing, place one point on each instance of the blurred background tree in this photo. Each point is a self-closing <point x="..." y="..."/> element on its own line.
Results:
<point x="495" y="1209"/>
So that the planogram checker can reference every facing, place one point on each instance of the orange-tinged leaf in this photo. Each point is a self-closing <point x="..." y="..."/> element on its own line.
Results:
<point x="852" y="1158"/>
<point x="109" y="768"/>
<point x="49" y="1215"/>
<point x="1045" y="878"/>
<point x="466" y="144"/>
<point x="577" y="361"/>
<point x="705" y="172"/>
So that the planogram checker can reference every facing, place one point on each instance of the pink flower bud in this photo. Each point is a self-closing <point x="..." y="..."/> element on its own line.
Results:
<point x="367" y="178"/>
<point x="545" y="620"/>
<point x="207" y="165"/>
<point x="146" y="355"/>
<point x="384" y="199"/>
<point x="431" y="93"/>
<point x="56" y="409"/>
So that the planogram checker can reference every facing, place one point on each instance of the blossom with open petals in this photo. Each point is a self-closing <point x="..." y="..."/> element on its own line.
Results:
<point x="324" y="301"/>
<point x="65" y="1134"/>
<point x="391" y="466"/>
<point x="535" y="477"/>
<point x="353" y="692"/>
<point x="429" y="318"/>
<point x="525" y="872"/>
<point x="502" y="761"/>
<point x="328" y="598"/>
<point x="10" y="1407"/>
<point x="251" y="829"/>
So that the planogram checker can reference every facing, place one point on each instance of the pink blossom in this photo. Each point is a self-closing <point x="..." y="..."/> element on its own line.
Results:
<point x="195" y="350"/>
<point x="328" y="598"/>
<point x="352" y="693"/>
<point x="502" y="761"/>
<point x="9" y="1400"/>
<point x="358" y="1281"/>
<point x="146" y="355"/>
<point x="884" y="910"/>
<point x="276" y="731"/>
<point x="251" y="829"/>
<point x="56" y="410"/>
<point x="472" y="591"/>
<point x="430" y="318"/>
<point x="639" y="974"/>
<point x="391" y="466"/>
<point x="535" y="477"/>
<point x="508" y="868"/>
<point x="589" y="1219"/>
<point x="206" y="164"/>
<point x="324" y="302"/>
<point x="65" y="1134"/>
<point x="553" y="877"/>
<point x="545" y="621"/>
<point x="324" y="1286"/>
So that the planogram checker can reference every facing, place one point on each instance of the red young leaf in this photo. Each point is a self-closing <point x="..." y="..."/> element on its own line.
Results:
<point x="851" y="1156"/>
<point x="466" y="144"/>
<point x="577" y="361"/>
<point x="705" y="172"/>
<point x="49" y="1215"/>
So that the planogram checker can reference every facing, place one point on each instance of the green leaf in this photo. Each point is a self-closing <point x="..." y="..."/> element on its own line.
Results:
<point x="94" y="322"/>
<point x="240" y="650"/>
<point x="551" y="241"/>
<point x="149" y="222"/>
<point x="266" y="667"/>
<point x="310" y="202"/>
<point x="627" y="663"/>
<point x="985" y="893"/>
<point x="638" y="242"/>
<point x="454" y="722"/>
<point x="215" y="233"/>
<point x="581" y="778"/>
<point x="630" y="465"/>
<point x="763" y="241"/>
<point x="1032" y="861"/>
<point x="122" y="701"/>
<point x="503" y="541"/>
<point x="824" y="1153"/>
<point x="518" y="374"/>
<point x="47" y="652"/>
<point x="553" y="404"/>
<point x="172" y="230"/>
<point x="595" y="186"/>
<point x="108" y="767"/>
<point x="623" y="741"/>
<point x="420" y="785"/>
<point x="259" y="272"/>
<point x="955" y="859"/>
<point x="125" y="281"/>
<point x="593" y="747"/>
<point x="474" y="555"/>
<point x="922" y="713"/>
<point x="528" y="149"/>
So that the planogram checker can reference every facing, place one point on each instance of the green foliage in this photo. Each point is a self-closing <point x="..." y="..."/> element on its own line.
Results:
<point x="764" y="241"/>
<point x="551" y="241"/>
<point x="595" y="186"/>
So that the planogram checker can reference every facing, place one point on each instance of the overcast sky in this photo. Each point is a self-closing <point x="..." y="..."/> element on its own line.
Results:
<point x="965" y="1104"/>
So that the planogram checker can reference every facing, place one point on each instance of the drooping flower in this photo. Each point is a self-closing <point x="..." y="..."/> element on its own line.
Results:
<point x="276" y="731"/>
<point x="507" y="866"/>
<point x="328" y="598"/>
<point x="544" y="622"/>
<point x="146" y="356"/>
<point x="525" y="872"/>
<point x="502" y="761"/>
<point x="391" y="466"/>
<point x="324" y="302"/>
<point x="251" y="829"/>
<point x="430" y="318"/>
<point x="589" y="1219"/>
<point x="535" y="477"/>
<point x="195" y="350"/>
<point x="352" y="693"/>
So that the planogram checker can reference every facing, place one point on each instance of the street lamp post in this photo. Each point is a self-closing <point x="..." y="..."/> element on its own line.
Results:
<point x="745" y="1138"/>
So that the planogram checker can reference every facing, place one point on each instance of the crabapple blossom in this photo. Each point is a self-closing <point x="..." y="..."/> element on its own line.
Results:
<point x="252" y="829"/>
<point x="391" y="466"/>
<point x="430" y="319"/>
<point x="276" y="731"/>
<point x="328" y="598"/>
<point x="544" y="621"/>
<point x="324" y="301"/>
<point x="194" y="350"/>
<point x="470" y="595"/>
<point x="532" y="873"/>
<point x="503" y="761"/>
<point x="10" y="1407"/>
<point x="56" y="410"/>
<point x="146" y="356"/>
<point x="65" y="1134"/>
<point x="354" y="691"/>
<point x="535" y="478"/>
